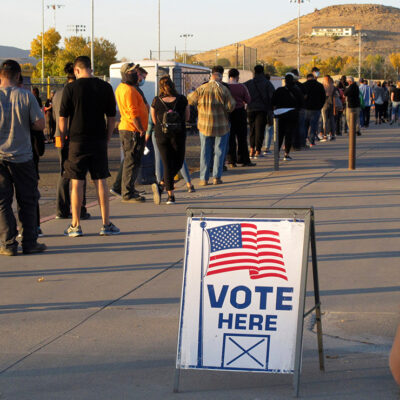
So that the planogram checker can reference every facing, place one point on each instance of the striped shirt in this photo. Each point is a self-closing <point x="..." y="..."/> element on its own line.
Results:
<point x="214" y="102"/>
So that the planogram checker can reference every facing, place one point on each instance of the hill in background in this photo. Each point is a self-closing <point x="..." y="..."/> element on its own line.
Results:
<point x="381" y="24"/>
<point x="22" y="56"/>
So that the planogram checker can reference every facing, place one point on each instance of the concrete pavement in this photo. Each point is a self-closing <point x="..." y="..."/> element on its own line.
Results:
<point x="102" y="324"/>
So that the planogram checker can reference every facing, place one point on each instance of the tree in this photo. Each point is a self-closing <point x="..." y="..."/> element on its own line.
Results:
<point x="394" y="59"/>
<point x="55" y="58"/>
<point x="51" y="40"/>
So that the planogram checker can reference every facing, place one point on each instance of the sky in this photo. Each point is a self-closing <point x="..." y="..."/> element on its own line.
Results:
<point x="132" y="24"/>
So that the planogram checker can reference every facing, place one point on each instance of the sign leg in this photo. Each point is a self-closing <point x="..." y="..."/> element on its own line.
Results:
<point x="176" y="380"/>
<point x="316" y="296"/>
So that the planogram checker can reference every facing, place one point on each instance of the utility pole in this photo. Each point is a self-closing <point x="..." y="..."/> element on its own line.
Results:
<point x="54" y="7"/>
<point x="237" y="55"/>
<point x="159" y="30"/>
<point x="92" y="40"/>
<point x="42" y="41"/>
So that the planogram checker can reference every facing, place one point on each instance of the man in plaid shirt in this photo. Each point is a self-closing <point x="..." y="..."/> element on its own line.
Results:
<point x="214" y="102"/>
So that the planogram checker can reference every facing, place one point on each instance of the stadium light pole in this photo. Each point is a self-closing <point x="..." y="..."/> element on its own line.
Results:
<point x="159" y="30"/>
<point x="298" y="31"/>
<point x="185" y="36"/>
<point x="42" y="41"/>
<point x="92" y="39"/>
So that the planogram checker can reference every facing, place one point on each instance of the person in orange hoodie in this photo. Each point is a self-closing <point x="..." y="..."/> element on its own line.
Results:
<point x="132" y="129"/>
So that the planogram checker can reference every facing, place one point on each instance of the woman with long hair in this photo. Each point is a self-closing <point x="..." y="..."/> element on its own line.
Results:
<point x="169" y="112"/>
<point x="328" y="116"/>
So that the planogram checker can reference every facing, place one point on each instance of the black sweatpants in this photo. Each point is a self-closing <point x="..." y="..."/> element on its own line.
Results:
<point x="287" y="129"/>
<point x="172" y="152"/>
<point x="238" y="149"/>
<point x="257" y="122"/>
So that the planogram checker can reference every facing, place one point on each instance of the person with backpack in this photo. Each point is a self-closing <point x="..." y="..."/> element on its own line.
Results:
<point x="169" y="112"/>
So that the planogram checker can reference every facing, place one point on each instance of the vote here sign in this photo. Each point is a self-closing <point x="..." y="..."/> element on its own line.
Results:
<point x="240" y="296"/>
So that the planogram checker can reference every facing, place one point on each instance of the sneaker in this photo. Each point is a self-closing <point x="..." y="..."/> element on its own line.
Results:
<point x="73" y="231"/>
<point x="249" y="164"/>
<point x="202" y="182"/>
<point x="135" y="198"/>
<point x="266" y="151"/>
<point x="115" y="192"/>
<point x="191" y="189"/>
<point x="358" y="133"/>
<point x="333" y="137"/>
<point x="287" y="158"/>
<point x="37" y="248"/>
<point x="320" y="137"/>
<point x="9" y="251"/>
<point x="232" y="165"/>
<point x="171" y="200"/>
<point x="324" y="139"/>
<point x="258" y="154"/>
<point x="217" y="181"/>
<point x="39" y="231"/>
<point x="156" y="193"/>
<point x="109" y="229"/>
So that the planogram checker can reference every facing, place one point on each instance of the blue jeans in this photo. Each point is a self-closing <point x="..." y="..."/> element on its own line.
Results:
<point x="311" y="120"/>
<point x="269" y="131"/>
<point x="159" y="167"/>
<point x="220" y="145"/>
<point x="395" y="110"/>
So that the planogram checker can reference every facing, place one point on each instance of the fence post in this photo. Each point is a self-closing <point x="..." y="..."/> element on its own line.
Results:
<point x="276" y="143"/>
<point x="48" y="87"/>
<point x="352" y="140"/>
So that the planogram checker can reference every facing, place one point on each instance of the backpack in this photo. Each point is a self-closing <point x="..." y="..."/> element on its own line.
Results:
<point x="171" y="120"/>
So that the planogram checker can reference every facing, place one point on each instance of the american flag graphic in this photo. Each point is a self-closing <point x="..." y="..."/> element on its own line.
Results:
<point x="238" y="247"/>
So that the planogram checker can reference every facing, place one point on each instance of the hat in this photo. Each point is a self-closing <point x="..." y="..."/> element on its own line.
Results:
<point x="290" y="74"/>
<point x="315" y="69"/>
<point x="127" y="67"/>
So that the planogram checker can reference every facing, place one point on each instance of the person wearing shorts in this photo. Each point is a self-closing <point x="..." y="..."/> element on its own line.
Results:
<point x="85" y="102"/>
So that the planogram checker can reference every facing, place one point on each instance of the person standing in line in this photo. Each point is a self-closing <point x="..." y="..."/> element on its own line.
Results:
<point x="314" y="101"/>
<point x="214" y="103"/>
<point x="132" y="130"/>
<point x="395" y="98"/>
<point x="328" y="116"/>
<point x="88" y="107"/>
<point x="366" y="93"/>
<point x="352" y="94"/>
<point x="159" y="170"/>
<point x="260" y="90"/>
<point x="169" y="112"/>
<point x="19" y="113"/>
<point x="140" y="79"/>
<point x="299" y="141"/>
<point x="286" y="101"/>
<point x="48" y="114"/>
<point x="269" y="129"/>
<point x="339" y="110"/>
<point x="386" y="99"/>
<point x="238" y="148"/>
<point x="63" y="198"/>
<point x="379" y="94"/>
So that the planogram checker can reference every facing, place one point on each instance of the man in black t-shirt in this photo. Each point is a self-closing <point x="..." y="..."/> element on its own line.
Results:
<point x="85" y="102"/>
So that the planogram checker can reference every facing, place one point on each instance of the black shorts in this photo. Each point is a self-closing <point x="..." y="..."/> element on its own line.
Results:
<point x="84" y="157"/>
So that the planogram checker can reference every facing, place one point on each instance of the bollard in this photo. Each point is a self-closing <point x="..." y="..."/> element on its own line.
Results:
<point x="276" y="144"/>
<point x="352" y="140"/>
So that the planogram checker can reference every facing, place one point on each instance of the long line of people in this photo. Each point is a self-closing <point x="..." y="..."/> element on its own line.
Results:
<point x="228" y="114"/>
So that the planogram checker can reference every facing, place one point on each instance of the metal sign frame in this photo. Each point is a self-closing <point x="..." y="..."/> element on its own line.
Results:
<point x="306" y="215"/>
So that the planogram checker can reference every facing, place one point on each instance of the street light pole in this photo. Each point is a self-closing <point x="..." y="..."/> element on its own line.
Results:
<point x="298" y="32"/>
<point x="159" y="30"/>
<point x="42" y="41"/>
<point x="92" y="39"/>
